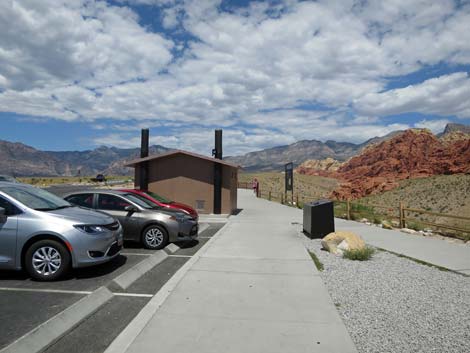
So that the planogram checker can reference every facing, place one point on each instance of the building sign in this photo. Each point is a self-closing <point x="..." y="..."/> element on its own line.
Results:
<point x="289" y="173"/>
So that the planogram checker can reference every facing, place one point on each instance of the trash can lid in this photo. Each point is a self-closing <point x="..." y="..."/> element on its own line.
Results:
<point x="319" y="202"/>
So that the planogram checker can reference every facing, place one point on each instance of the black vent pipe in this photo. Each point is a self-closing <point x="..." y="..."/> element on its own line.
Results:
<point x="217" y="153"/>
<point x="144" y="152"/>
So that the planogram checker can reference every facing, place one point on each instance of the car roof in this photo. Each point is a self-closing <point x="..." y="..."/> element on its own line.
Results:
<point x="98" y="191"/>
<point x="11" y="183"/>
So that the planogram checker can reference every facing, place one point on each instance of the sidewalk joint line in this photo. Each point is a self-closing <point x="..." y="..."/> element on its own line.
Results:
<point x="135" y="295"/>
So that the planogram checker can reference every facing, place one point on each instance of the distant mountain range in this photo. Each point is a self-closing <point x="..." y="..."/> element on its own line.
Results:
<point x="275" y="158"/>
<point x="18" y="159"/>
<point x="21" y="160"/>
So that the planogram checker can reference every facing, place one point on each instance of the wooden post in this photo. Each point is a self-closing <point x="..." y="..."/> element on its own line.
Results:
<point x="292" y="199"/>
<point x="402" y="215"/>
<point x="297" y="200"/>
<point x="348" y="209"/>
<point x="269" y="195"/>
<point x="282" y="198"/>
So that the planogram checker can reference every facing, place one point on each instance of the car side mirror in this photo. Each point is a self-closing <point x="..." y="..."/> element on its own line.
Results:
<point x="131" y="208"/>
<point x="3" y="216"/>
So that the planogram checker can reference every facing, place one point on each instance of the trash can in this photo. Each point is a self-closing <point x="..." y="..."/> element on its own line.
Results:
<point x="318" y="218"/>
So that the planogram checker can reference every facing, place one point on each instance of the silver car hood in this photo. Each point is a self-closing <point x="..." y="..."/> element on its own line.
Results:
<point x="81" y="215"/>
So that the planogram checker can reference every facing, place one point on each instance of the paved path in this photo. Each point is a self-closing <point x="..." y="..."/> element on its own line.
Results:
<point x="254" y="289"/>
<point x="439" y="252"/>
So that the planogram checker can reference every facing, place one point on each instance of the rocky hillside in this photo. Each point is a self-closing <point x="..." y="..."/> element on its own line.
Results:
<point x="452" y="128"/>
<point x="21" y="160"/>
<point x="322" y="167"/>
<point x="412" y="154"/>
<point x="273" y="159"/>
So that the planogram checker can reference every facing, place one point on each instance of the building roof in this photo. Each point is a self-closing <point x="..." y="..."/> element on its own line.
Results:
<point x="135" y="162"/>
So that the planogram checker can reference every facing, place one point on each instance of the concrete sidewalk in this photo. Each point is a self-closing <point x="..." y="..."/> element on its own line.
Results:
<point x="455" y="257"/>
<point x="253" y="289"/>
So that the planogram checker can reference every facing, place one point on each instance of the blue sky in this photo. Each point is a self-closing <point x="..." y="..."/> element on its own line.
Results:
<point x="78" y="74"/>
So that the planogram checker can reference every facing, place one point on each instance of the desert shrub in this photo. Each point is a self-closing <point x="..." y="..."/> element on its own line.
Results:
<point x="359" y="254"/>
<point x="414" y="226"/>
<point x="377" y="220"/>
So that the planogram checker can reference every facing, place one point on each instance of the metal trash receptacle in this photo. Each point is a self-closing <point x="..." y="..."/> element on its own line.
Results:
<point x="318" y="218"/>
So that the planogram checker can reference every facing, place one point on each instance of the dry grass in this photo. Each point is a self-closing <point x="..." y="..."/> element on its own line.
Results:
<point x="308" y="187"/>
<point x="47" y="181"/>
<point x="448" y="194"/>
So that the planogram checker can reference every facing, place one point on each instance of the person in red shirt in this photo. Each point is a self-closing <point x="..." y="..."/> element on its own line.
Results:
<point x="255" y="186"/>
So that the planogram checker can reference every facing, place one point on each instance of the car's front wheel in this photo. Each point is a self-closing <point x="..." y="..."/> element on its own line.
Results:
<point x="155" y="237"/>
<point x="47" y="260"/>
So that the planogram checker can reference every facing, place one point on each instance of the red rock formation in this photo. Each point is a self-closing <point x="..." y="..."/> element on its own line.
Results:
<point x="411" y="154"/>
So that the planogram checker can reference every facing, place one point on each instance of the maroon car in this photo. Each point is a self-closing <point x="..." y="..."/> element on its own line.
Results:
<point x="163" y="202"/>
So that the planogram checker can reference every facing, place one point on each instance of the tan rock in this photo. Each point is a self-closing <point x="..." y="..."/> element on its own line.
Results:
<point x="386" y="225"/>
<point x="339" y="241"/>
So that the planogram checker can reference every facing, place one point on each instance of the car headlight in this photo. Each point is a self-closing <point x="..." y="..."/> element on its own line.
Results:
<point x="90" y="229"/>
<point x="178" y="217"/>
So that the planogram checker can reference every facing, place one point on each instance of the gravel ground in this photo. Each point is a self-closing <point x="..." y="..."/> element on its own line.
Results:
<point x="392" y="304"/>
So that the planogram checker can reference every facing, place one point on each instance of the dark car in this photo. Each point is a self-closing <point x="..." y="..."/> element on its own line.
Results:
<point x="141" y="220"/>
<point x="100" y="178"/>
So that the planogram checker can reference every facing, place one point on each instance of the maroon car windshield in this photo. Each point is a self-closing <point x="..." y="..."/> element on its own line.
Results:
<point x="158" y="197"/>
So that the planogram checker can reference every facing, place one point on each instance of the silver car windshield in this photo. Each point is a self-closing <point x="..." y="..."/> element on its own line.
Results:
<point x="35" y="198"/>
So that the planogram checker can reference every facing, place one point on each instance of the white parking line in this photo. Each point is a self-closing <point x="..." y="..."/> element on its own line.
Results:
<point x="179" y="256"/>
<point x="38" y="290"/>
<point x="60" y="291"/>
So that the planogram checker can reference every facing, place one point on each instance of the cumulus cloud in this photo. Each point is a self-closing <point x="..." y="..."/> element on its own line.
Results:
<point x="268" y="73"/>
<point x="436" y="126"/>
<point x="444" y="95"/>
<point x="51" y="42"/>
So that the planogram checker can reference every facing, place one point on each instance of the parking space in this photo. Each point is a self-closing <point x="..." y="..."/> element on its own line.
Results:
<point x="27" y="303"/>
<point x="85" y="279"/>
<point x="23" y="311"/>
<point x="98" y="331"/>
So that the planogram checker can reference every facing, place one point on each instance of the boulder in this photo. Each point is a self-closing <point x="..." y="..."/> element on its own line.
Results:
<point x="409" y="231"/>
<point x="337" y="242"/>
<point x="386" y="225"/>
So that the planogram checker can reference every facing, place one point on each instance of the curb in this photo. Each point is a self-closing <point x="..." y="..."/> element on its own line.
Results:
<point x="122" y="342"/>
<point x="53" y="329"/>
<point x="131" y="275"/>
<point x="172" y="248"/>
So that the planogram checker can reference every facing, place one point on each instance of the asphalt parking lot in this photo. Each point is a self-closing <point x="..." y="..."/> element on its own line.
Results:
<point x="25" y="303"/>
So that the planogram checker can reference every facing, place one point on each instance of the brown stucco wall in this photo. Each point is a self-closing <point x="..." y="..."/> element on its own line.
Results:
<point x="189" y="180"/>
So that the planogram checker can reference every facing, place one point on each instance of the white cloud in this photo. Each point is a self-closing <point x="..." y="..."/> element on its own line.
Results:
<point x="86" y="60"/>
<point x="436" y="126"/>
<point x="444" y="95"/>
<point x="52" y="42"/>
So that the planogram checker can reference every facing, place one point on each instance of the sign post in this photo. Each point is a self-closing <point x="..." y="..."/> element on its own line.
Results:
<point x="289" y="180"/>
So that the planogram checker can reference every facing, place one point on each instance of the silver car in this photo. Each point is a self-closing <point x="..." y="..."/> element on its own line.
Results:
<point x="46" y="235"/>
<point x="142" y="220"/>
